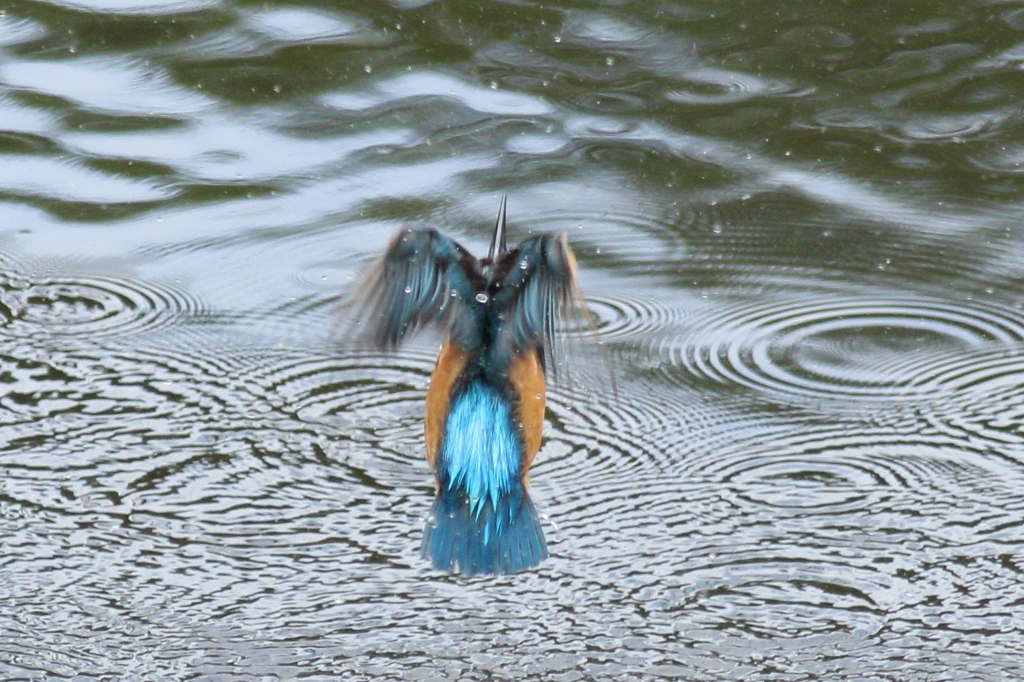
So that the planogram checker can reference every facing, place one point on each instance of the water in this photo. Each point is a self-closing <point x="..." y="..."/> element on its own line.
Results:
<point x="799" y="227"/>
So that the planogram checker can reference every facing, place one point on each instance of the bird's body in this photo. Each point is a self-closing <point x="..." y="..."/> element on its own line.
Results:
<point x="483" y="429"/>
<point x="485" y="404"/>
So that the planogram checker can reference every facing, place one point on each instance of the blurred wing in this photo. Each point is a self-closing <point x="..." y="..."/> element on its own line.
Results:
<point x="543" y="307"/>
<point x="422" y="279"/>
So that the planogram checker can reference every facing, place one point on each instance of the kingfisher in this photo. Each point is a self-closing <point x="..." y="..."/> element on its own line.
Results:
<point x="500" y="318"/>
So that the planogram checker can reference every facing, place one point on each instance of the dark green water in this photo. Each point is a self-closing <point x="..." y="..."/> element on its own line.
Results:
<point x="800" y="228"/>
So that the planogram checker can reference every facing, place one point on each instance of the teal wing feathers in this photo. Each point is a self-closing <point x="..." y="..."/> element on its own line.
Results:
<point x="539" y="299"/>
<point x="423" y="279"/>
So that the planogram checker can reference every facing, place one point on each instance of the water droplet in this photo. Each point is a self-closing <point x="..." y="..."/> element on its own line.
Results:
<point x="408" y="290"/>
<point x="481" y="297"/>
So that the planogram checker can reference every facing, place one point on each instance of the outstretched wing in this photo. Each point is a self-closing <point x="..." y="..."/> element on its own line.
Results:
<point x="542" y="305"/>
<point x="422" y="279"/>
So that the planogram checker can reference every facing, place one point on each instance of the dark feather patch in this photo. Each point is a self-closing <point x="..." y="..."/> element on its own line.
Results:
<point x="424" y="278"/>
<point x="539" y="299"/>
<point x="506" y="304"/>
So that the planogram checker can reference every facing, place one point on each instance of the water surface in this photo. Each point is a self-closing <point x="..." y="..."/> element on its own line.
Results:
<point x="799" y="227"/>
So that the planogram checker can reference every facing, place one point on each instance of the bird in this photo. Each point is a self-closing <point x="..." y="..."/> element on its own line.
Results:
<point x="501" y="318"/>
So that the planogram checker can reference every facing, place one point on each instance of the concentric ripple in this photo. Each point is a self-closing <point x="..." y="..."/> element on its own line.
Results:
<point x="709" y="86"/>
<point x="371" y="400"/>
<point x="804" y="483"/>
<point x="621" y="317"/>
<point x="984" y="399"/>
<point x="750" y="599"/>
<point x="885" y="473"/>
<point x="610" y="459"/>
<point x="82" y="396"/>
<point x="839" y="348"/>
<point x="91" y="306"/>
<point x="614" y="234"/>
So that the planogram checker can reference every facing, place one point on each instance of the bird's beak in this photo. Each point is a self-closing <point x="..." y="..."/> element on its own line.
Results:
<point x="498" y="246"/>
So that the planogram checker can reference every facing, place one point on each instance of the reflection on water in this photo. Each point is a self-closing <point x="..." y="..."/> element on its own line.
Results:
<point x="800" y="229"/>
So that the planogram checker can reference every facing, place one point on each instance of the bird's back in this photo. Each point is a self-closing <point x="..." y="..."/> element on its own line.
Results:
<point x="485" y="404"/>
<point x="482" y="432"/>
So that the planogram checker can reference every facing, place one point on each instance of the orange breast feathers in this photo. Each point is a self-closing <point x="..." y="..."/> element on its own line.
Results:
<point x="527" y="380"/>
<point x="450" y="364"/>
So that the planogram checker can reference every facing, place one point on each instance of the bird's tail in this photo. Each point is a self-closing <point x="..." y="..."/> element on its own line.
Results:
<point x="502" y="535"/>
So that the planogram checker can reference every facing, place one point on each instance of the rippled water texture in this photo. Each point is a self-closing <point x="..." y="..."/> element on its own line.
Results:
<point x="799" y="225"/>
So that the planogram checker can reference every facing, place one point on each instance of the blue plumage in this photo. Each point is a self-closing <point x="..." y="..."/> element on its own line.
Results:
<point x="485" y="404"/>
<point x="480" y="451"/>
<point x="482" y="520"/>
<point x="453" y="538"/>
